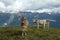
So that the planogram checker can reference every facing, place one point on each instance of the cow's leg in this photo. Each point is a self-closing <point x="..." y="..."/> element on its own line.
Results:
<point x="25" y="33"/>
<point x="48" y="24"/>
<point x="25" y="30"/>
<point x="22" y="33"/>
<point x="44" y="25"/>
<point x="37" y="26"/>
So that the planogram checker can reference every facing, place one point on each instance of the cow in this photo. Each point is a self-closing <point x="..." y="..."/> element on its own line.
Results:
<point x="24" y="25"/>
<point x="38" y="22"/>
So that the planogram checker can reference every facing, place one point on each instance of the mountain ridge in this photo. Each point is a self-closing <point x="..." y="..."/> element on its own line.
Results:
<point x="30" y="16"/>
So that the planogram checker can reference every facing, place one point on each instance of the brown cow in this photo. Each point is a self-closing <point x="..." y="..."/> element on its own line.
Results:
<point x="24" y="25"/>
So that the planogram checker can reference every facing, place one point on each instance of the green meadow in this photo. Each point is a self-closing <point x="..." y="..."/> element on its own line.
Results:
<point x="14" y="33"/>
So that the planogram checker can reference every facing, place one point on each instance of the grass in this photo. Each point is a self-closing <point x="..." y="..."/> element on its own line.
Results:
<point x="14" y="33"/>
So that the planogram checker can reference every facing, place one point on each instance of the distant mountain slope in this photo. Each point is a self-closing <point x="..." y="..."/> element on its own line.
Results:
<point x="4" y="18"/>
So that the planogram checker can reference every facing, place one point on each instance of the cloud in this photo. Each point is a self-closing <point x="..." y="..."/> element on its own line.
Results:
<point x="15" y="7"/>
<point x="39" y="5"/>
<point x="2" y="6"/>
<point x="7" y="2"/>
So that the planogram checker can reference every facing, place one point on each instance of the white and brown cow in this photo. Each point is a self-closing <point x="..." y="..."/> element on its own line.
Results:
<point x="24" y="25"/>
<point x="44" y="22"/>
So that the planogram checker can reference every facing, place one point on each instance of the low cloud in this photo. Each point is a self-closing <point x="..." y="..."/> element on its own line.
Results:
<point x="49" y="11"/>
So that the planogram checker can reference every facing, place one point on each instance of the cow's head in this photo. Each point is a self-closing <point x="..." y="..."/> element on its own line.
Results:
<point x="35" y="20"/>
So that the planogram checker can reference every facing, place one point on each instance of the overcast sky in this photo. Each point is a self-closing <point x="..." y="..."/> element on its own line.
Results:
<point x="40" y="5"/>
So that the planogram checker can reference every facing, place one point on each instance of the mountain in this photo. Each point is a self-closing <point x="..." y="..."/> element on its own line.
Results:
<point x="12" y="19"/>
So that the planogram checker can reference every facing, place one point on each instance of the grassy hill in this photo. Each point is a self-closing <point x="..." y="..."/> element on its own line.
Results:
<point x="14" y="33"/>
